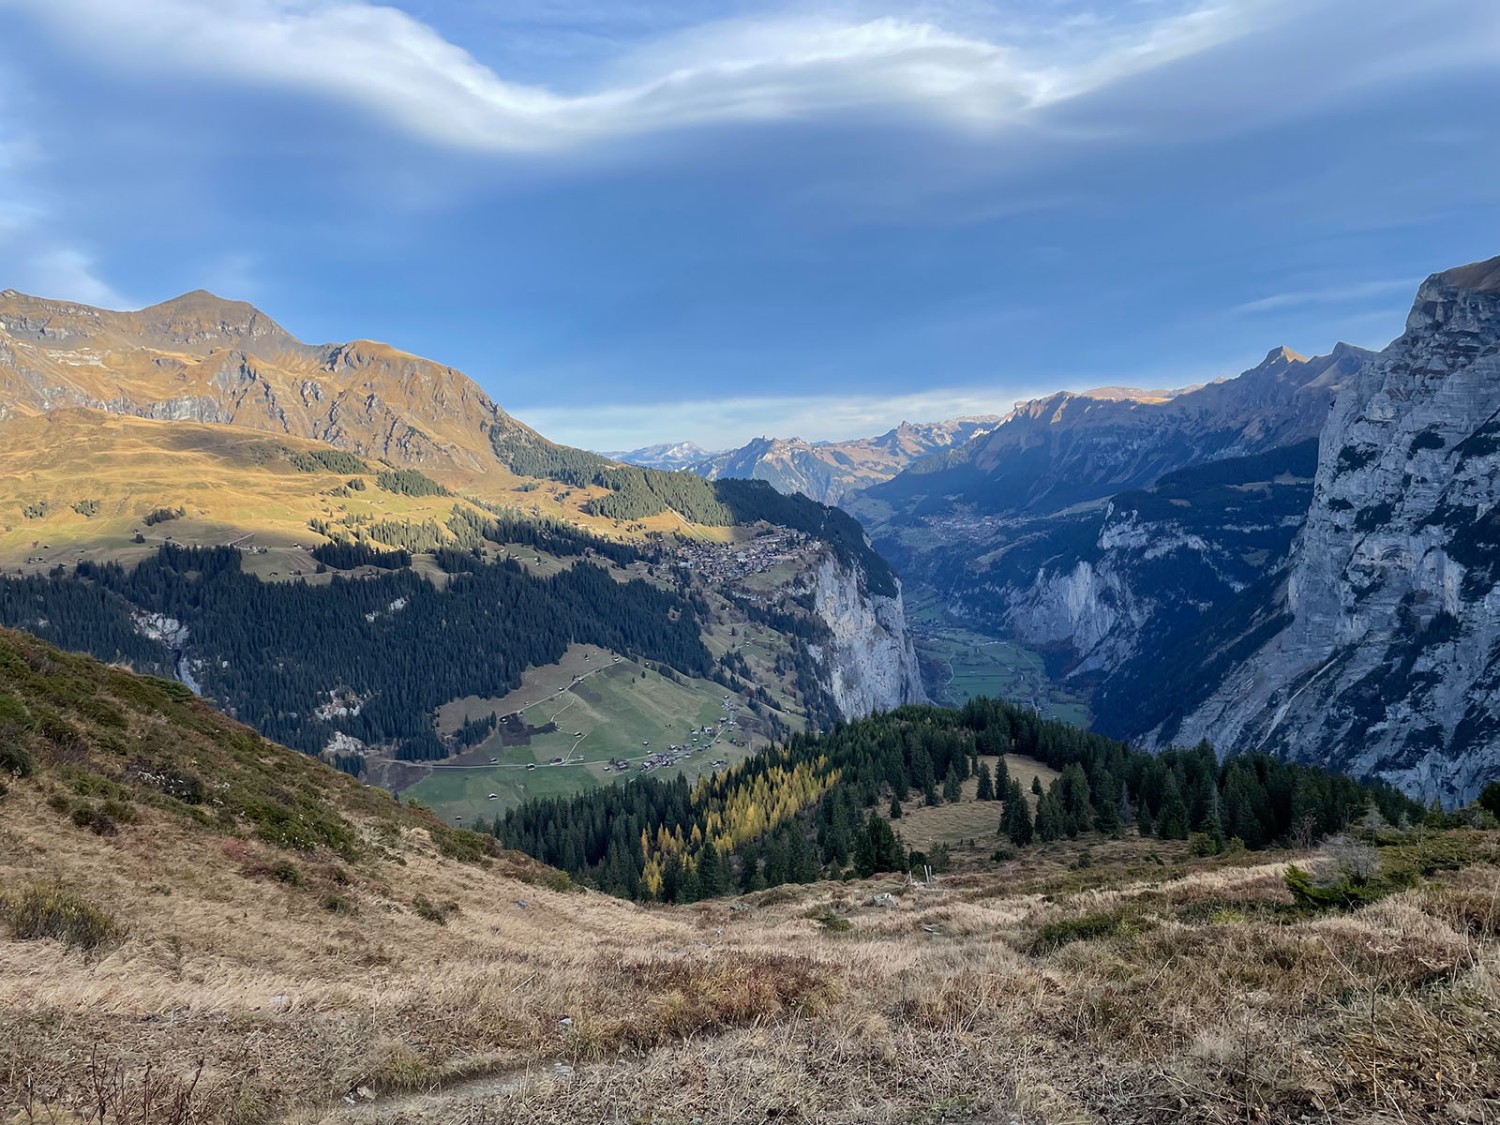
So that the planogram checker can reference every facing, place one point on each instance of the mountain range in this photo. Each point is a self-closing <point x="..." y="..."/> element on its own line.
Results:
<point x="826" y="471"/>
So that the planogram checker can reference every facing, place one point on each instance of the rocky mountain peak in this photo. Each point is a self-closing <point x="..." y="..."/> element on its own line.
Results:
<point x="1481" y="277"/>
<point x="1280" y="357"/>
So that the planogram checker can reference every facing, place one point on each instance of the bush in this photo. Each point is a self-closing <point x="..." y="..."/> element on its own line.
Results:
<point x="825" y="917"/>
<point x="1123" y="922"/>
<point x="464" y="845"/>
<point x="424" y="907"/>
<point x="45" y="910"/>
<point x="336" y="904"/>
<point x="99" y="822"/>
<point x="285" y="871"/>
<point x="16" y="759"/>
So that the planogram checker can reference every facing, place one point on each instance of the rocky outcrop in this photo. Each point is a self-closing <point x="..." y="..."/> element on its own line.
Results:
<point x="869" y="661"/>
<point x="1387" y="655"/>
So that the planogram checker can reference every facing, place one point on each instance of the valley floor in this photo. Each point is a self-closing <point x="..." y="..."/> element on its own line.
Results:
<point x="1085" y="981"/>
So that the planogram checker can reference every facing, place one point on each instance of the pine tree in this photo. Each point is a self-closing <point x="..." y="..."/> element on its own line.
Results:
<point x="1172" y="821"/>
<point x="986" y="791"/>
<point x="1015" y="817"/>
<point x="895" y="809"/>
<point x="953" y="785"/>
<point x="713" y="878"/>
<point x="1051" y="821"/>
<point x="1073" y="798"/>
<point x="1036" y="784"/>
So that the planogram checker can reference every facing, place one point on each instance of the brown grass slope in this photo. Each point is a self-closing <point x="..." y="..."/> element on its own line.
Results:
<point x="202" y="358"/>
<point x="202" y="926"/>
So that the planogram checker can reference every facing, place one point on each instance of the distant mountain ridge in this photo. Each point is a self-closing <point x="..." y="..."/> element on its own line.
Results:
<point x="1070" y="447"/>
<point x="827" y="471"/>
<point x="667" y="455"/>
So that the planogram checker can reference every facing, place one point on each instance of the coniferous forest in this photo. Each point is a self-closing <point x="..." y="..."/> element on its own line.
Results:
<point x="272" y="654"/>
<point x="813" y="807"/>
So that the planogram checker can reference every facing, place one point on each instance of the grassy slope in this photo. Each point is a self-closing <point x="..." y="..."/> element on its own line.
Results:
<point x="1145" y="986"/>
<point x="602" y="711"/>
<point x="232" y="482"/>
<point x="236" y="486"/>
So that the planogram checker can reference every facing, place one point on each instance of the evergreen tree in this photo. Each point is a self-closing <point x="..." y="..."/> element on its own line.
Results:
<point x="986" y="790"/>
<point x="1073" y="796"/>
<point x="1172" y="822"/>
<point x="1051" y="821"/>
<point x="895" y="809"/>
<point x="953" y="786"/>
<point x="877" y="849"/>
<point x="713" y="878"/>
<point x="1036" y="784"/>
<point x="1015" y="817"/>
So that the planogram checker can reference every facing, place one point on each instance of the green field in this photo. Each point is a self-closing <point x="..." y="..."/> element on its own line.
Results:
<point x="601" y="710"/>
<point x="972" y="664"/>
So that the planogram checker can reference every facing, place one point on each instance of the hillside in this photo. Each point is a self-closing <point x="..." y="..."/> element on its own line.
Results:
<point x="827" y="471"/>
<point x="335" y="543"/>
<point x="202" y="923"/>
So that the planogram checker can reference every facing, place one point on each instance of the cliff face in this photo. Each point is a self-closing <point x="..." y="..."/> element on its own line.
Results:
<point x="1388" y="655"/>
<point x="869" y="661"/>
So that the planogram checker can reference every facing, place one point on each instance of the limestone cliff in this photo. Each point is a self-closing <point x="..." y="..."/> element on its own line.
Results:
<point x="1384" y="653"/>
<point x="868" y="658"/>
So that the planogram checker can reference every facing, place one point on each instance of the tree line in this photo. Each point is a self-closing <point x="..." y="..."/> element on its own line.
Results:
<point x="824" y="805"/>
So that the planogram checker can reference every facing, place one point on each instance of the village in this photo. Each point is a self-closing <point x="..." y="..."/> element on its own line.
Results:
<point x="719" y="563"/>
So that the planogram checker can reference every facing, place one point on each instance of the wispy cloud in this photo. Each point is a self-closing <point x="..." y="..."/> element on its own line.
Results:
<point x="1331" y="295"/>
<point x="728" y="422"/>
<point x="34" y="255"/>
<point x="389" y="63"/>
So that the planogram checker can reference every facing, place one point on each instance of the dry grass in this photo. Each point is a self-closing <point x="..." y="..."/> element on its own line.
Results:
<point x="1214" y="1003"/>
<point x="256" y="967"/>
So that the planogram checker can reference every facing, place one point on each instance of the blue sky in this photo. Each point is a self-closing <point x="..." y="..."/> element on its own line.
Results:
<point x="652" y="220"/>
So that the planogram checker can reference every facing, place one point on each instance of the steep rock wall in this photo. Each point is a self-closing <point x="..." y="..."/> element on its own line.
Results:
<point x="1390" y="660"/>
<point x="869" y="661"/>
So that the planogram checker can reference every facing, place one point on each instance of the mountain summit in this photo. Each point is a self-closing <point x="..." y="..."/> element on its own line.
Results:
<point x="202" y="358"/>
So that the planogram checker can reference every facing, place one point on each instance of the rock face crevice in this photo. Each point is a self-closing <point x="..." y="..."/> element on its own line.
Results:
<point x="869" y="661"/>
<point x="1389" y="662"/>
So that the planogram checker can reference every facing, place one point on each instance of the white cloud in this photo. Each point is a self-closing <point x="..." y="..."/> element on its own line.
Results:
<point x="67" y="273"/>
<point x="1331" y="295"/>
<point x="389" y="63"/>
<point x="725" y="423"/>
<point x="34" y="256"/>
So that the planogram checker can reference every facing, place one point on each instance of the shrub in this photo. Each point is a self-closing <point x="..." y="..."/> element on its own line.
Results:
<point x="45" y="910"/>
<point x="426" y="908"/>
<point x="464" y="845"/>
<point x="285" y="871"/>
<point x="96" y="820"/>
<point x="16" y="759"/>
<point x="825" y="917"/>
<point x="336" y="904"/>
<point x="1124" y="922"/>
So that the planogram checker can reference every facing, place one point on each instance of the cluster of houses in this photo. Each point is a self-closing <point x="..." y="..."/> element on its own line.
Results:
<point x="720" y="562"/>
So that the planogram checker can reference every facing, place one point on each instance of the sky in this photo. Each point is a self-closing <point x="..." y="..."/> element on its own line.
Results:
<point x="660" y="220"/>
